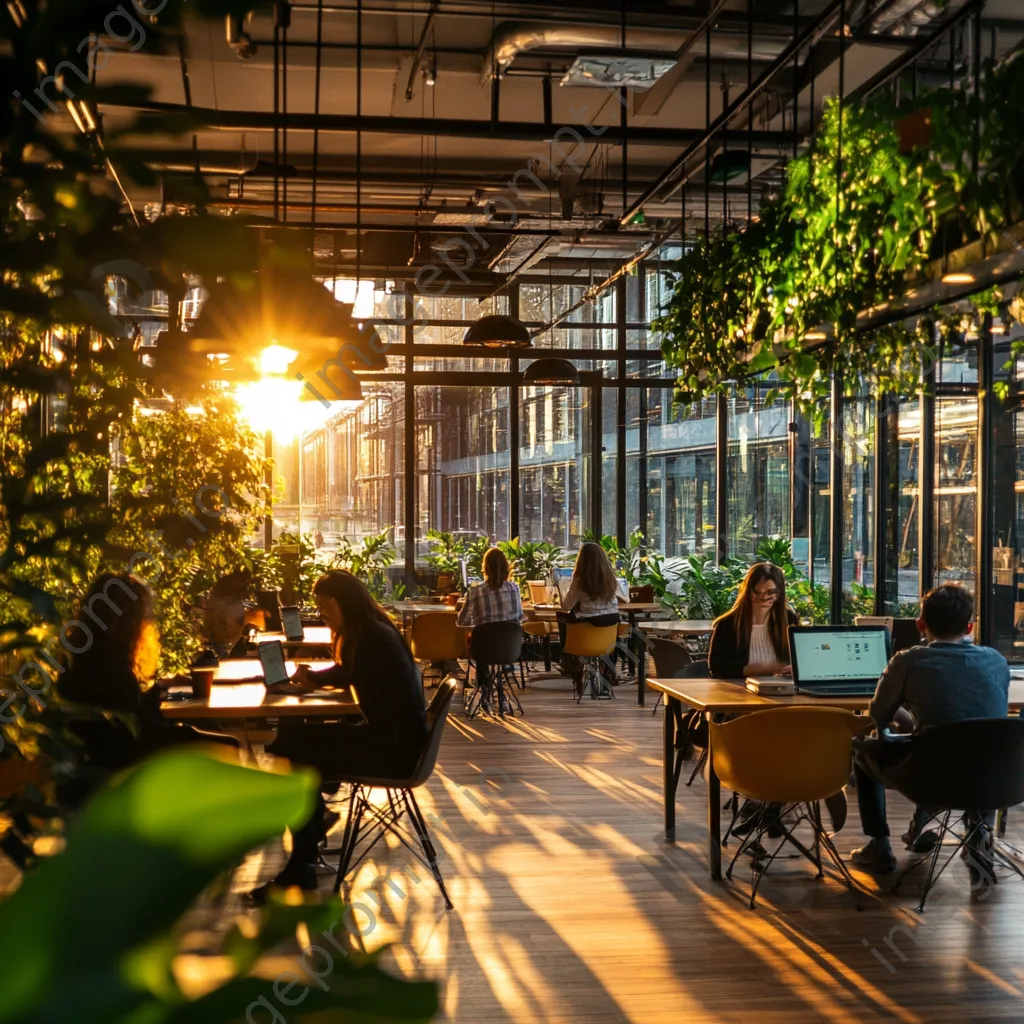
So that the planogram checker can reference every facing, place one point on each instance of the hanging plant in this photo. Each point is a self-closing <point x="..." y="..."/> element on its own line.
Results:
<point x="861" y="215"/>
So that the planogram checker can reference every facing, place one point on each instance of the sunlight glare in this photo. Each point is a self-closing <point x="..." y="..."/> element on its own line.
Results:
<point x="276" y="403"/>
<point x="276" y="358"/>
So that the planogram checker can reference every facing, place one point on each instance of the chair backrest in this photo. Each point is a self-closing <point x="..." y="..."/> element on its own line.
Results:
<point x="695" y="670"/>
<point x="786" y="754"/>
<point x="585" y="641"/>
<point x="435" y="636"/>
<point x="437" y="714"/>
<point x="670" y="658"/>
<point x="976" y="764"/>
<point x="496" y="643"/>
<point x="539" y="593"/>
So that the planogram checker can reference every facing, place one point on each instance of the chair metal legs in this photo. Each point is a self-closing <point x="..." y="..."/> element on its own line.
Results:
<point x="370" y="823"/>
<point x="494" y="683"/>
<point x="761" y="860"/>
<point x="593" y="681"/>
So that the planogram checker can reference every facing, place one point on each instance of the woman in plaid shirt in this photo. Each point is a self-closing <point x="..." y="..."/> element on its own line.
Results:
<point x="497" y="598"/>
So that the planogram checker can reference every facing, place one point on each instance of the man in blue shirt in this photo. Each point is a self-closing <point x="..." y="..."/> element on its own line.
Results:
<point x="948" y="680"/>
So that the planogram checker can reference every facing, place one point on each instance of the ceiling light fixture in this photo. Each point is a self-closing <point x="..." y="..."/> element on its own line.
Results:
<point x="498" y="331"/>
<point x="550" y="370"/>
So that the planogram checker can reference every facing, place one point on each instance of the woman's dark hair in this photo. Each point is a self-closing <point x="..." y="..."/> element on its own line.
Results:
<point x="495" y="567"/>
<point x="110" y="622"/>
<point x="359" y="609"/>
<point x="593" y="572"/>
<point x="778" y="617"/>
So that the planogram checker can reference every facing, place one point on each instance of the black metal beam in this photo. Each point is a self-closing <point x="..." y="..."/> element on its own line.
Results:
<point x="984" y="590"/>
<point x="835" y="487"/>
<point x="926" y="481"/>
<point x="820" y="24"/>
<point x="522" y="131"/>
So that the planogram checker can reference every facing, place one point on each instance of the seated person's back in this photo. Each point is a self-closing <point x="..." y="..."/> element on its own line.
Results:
<point x="945" y="681"/>
<point x="497" y="599"/>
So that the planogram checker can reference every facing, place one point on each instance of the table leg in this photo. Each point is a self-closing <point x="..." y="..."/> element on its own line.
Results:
<point x="547" y="652"/>
<point x="714" y="817"/>
<point x="641" y="668"/>
<point x="669" y="779"/>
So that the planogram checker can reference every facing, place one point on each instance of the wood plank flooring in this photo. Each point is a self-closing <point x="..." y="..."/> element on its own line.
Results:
<point x="571" y="908"/>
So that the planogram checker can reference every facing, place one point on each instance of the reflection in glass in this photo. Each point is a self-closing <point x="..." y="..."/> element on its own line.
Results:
<point x="462" y="462"/>
<point x="956" y="488"/>
<point x="757" y="475"/>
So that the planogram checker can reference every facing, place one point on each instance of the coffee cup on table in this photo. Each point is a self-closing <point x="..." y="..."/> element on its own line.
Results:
<point x="202" y="680"/>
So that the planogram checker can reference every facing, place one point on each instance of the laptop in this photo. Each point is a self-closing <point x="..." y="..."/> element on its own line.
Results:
<point x="271" y="655"/>
<point x="903" y="632"/>
<point x="622" y="588"/>
<point x="292" y="622"/>
<point x="838" y="661"/>
<point x="563" y="578"/>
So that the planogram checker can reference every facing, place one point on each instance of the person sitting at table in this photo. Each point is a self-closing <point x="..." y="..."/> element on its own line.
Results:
<point x="591" y="598"/>
<point x="497" y="599"/>
<point x="117" y="642"/>
<point x="752" y="639"/>
<point x="370" y="655"/>
<point x="947" y="680"/>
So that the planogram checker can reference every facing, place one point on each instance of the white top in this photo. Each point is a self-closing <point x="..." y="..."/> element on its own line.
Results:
<point x="762" y="650"/>
<point x="588" y="607"/>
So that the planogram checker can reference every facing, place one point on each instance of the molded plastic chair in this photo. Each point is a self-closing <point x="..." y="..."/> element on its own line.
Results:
<point x="975" y="766"/>
<point x="539" y="593"/>
<point x="789" y="756"/>
<point x="381" y="819"/>
<point x="436" y="638"/>
<point x="590" y="643"/>
<point x="669" y="657"/>
<point x="494" y="649"/>
<point x="537" y="630"/>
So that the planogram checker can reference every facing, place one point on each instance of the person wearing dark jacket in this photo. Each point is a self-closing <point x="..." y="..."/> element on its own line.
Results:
<point x="370" y="655"/>
<point x="118" y="652"/>
<point x="752" y="637"/>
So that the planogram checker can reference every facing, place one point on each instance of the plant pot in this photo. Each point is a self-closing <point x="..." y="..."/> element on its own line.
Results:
<point x="641" y="595"/>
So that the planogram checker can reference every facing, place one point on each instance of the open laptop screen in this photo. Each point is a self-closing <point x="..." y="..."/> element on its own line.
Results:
<point x="622" y="588"/>
<point x="271" y="656"/>
<point x="291" y="619"/>
<point x="562" y="577"/>
<point x="825" y="654"/>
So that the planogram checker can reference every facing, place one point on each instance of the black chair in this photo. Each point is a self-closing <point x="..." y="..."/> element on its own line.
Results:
<point x="669" y="658"/>
<point x="401" y="800"/>
<point x="975" y="767"/>
<point x="494" y="651"/>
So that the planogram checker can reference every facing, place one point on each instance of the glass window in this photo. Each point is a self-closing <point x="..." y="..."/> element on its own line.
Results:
<point x="858" y="455"/>
<point x="757" y="478"/>
<point x="462" y="462"/>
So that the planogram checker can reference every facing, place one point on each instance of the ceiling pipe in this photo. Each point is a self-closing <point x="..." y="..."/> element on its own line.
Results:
<point x="516" y="37"/>
<point x="418" y="58"/>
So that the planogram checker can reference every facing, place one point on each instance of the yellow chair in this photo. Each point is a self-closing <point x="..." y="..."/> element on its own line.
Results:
<point x="793" y="757"/>
<point x="590" y="644"/>
<point x="539" y="592"/>
<point x="436" y="638"/>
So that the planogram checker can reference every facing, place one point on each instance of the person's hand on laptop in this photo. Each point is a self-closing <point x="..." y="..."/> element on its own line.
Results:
<point x="786" y="671"/>
<point x="301" y="682"/>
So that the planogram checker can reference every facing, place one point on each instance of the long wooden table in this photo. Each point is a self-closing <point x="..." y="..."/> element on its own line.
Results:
<point x="313" y="638"/>
<point x="731" y="697"/>
<point x="678" y="627"/>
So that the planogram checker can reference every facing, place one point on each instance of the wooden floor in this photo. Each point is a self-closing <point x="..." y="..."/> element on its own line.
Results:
<point x="570" y="906"/>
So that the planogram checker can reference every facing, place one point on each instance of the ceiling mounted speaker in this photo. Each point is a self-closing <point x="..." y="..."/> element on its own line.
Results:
<point x="497" y="331"/>
<point x="551" y="371"/>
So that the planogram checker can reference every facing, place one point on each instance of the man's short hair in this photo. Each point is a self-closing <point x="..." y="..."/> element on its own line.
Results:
<point x="947" y="610"/>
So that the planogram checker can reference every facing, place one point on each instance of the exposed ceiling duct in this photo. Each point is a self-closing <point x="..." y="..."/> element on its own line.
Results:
<point x="516" y="37"/>
<point x="906" y="17"/>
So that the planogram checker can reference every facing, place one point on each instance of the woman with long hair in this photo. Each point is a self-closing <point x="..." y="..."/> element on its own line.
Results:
<point x="752" y="637"/>
<point x="591" y="598"/>
<point x="116" y="653"/>
<point x="497" y="598"/>
<point x="370" y="654"/>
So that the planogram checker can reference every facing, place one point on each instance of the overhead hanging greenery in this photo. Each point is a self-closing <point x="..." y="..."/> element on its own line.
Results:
<point x="861" y="214"/>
